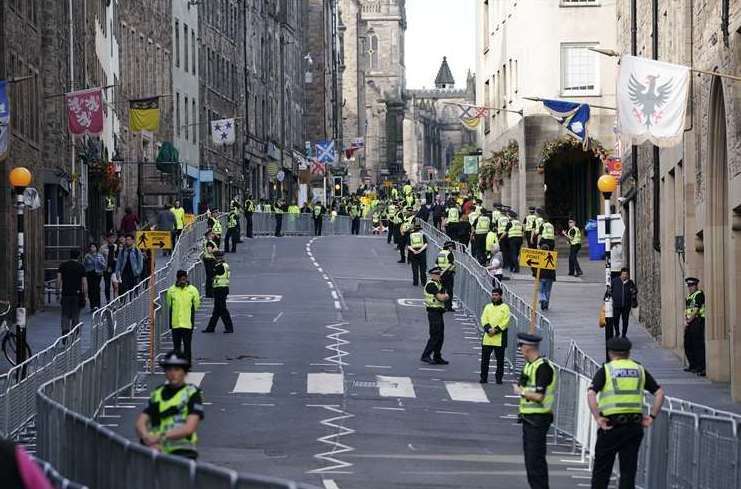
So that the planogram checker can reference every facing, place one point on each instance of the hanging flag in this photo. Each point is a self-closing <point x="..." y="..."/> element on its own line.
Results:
<point x="326" y="153"/>
<point x="4" y="120"/>
<point x="651" y="101"/>
<point x="144" y="114"/>
<point x="222" y="132"/>
<point x="471" y="115"/>
<point x="317" y="167"/>
<point x="358" y="143"/>
<point x="85" y="112"/>
<point x="574" y="117"/>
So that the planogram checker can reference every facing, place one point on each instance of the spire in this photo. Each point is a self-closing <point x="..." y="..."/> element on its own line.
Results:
<point x="444" y="76"/>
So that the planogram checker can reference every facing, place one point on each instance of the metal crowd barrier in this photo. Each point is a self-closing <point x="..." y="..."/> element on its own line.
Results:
<point x="263" y="224"/>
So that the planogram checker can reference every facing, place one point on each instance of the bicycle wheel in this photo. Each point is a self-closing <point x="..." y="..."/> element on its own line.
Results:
<point x="9" y="348"/>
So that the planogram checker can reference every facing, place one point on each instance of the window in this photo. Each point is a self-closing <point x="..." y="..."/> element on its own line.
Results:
<point x="177" y="44"/>
<point x="195" y="121"/>
<point x="177" y="114"/>
<point x="193" y="51"/>
<point x="185" y="47"/>
<point x="485" y="31"/>
<point x="505" y="87"/>
<point x="487" y="102"/>
<point x="373" y="52"/>
<point x="187" y="119"/>
<point x="579" y="70"/>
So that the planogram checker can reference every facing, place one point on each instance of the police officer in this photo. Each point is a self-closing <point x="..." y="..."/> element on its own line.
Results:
<point x="318" y="214"/>
<point x="481" y="227"/>
<point x="435" y="298"/>
<point x="110" y="208"/>
<point x="446" y="261"/>
<point x="616" y="401"/>
<point x="179" y="214"/>
<point x="389" y="214"/>
<point x="405" y="226"/>
<point x="232" y="220"/>
<point x="502" y="227"/>
<point x="536" y="229"/>
<point x="355" y="213"/>
<point x="279" y="208"/>
<point x="235" y="204"/>
<point x="514" y="236"/>
<point x="573" y="236"/>
<point x="490" y="242"/>
<point x="215" y="226"/>
<point x="183" y="300"/>
<point x="547" y="235"/>
<point x="209" y="261"/>
<point x="417" y="251"/>
<point x="529" y="226"/>
<point x="694" y="327"/>
<point x="222" y="274"/>
<point x="536" y="388"/>
<point x="495" y="321"/>
<point x="249" y="210"/>
<point x="452" y="218"/>
<point x="175" y="409"/>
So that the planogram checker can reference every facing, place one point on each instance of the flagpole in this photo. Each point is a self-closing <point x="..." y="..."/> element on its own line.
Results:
<point x="483" y="107"/>
<point x="614" y="54"/>
<point x="538" y="99"/>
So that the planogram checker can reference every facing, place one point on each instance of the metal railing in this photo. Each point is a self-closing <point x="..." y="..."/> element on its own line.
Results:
<point x="263" y="224"/>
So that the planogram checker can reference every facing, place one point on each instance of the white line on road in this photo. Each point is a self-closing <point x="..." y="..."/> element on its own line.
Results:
<point x="330" y="285"/>
<point x="395" y="386"/>
<point x="337" y="305"/>
<point x="334" y="295"/>
<point x="254" y="383"/>
<point x="432" y="369"/>
<point x="319" y="269"/>
<point x="330" y="484"/>
<point x="214" y="363"/>
<point x="452" y="412"/>
<point x="268" y="364"/>
<point x="388" y="408"/>
<point x="325" y="383"/>
<point x="258" y="404"/>
<point x="195" y="378"/>
<point x="321" y="365"/>
<point x="378" y="366"/>
<point x="275" y="320"/>
<point x="466" y="391"/>
<point x="325" y="276"/>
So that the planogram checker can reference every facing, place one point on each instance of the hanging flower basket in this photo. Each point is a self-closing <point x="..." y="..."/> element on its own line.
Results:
<point x="499" y="165"/>
<point x="565" y="143"/>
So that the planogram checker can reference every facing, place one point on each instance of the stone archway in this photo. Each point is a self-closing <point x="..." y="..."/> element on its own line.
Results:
<point x="717" y="240"/>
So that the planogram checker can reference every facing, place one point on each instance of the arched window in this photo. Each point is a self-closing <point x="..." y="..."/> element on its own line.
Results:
<point x="373" y="53"/>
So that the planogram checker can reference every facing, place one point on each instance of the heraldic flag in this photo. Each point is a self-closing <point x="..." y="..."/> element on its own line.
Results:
<point x="144" y="114"/>
<point x="574" y="117"/>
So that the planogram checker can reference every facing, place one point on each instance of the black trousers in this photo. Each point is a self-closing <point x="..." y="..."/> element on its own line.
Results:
<point x="437" y="334"/>
<point x="93" y="289"/>
<point x="534" y="448"/>
<point x="418" y="263"/>
<point x="231" y="235"/>
<point x="278" y="224"/>
<point x="528" y="239"/>
<point x="623" y="441"/>
<point x="248" y="226"/>
<point x="355" y="226"/>
<point x="181" y="341"/>
<point x="486" y="351"/>
<point x="107" y="285"/>
<point x="694" y="344"/>
<point x="437" y="222"/>
<point x="515" y="244"/>
<point x="506" y="254"/>
<point x="318" y="226"/>
<point x="220" y="310"/>
<point x="620" y="313"/>
<point x="390" y="232"/>
<point x="451" y="229"/>
<point x="448" y="282"/>
<point x="402" y="246"/>
<point x="208" y="265"/>
<point x="574" y="268"/>
<point x="479" y="247"/>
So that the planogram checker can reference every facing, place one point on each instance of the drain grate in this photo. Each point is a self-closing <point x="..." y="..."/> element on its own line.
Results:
<point x="365" y="383"/>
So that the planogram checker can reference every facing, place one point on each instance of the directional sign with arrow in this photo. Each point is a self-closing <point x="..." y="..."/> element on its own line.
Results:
<point x="543" y="259"/>
<point x="154" y="240"/>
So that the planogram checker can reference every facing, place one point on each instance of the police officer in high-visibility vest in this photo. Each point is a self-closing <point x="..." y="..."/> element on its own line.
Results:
<point x="694" y="327"/>
<point x="389" y="215"/>
<point x="405" y="228"/>
<point x="235" y="204"/>
<point x="183" y="300"/>
<point x="175" y="409"/>
<point x="452" y="218"/>
<point x="209" y="261"/>
<point x="446" y="261"/>
<point x="317" y="213"/>
<point x="538" y="223"/>
<point x="435" y="298"/>
<point x="514" y="236"/>
<point x="110" y="209"/>
<point x="490" y="243"/>
<point x="547" y="235"/>
<point x="232" y="220"/>
<point x="537" y="389"/>
<point x="179" y="214"/>
<point x="215" y="226"/>
<point x="355" y="213"/>
<point x="417" y="254"/>
<point x="222" y="276"/>
<point x="502" y="227"/>
<point x="616" y="399"/>
<point x="494" y="321"/>
<point x="279" y="208"/>
<point x="529" y="226"/>
<point x="573" y="236"/>
<point x="481" y="227"/>
<point x="249" y="210"/>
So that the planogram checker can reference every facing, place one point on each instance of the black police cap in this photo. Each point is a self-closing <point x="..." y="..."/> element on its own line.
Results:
<point x="619" y="344"/>
<point x="528" y="339"/>
<point x="692" y="281"/>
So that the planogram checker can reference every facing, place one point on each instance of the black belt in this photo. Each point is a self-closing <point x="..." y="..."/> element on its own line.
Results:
<point x="624" y="419"/>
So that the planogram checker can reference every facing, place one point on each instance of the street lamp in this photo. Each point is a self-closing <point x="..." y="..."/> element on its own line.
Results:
<point x="20" y="178"/>
<point x="607" y="184"/>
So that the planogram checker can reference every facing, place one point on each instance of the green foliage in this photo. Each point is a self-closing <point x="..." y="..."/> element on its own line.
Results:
<point x="455" y="170"/>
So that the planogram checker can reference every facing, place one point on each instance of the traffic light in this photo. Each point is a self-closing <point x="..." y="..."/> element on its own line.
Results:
<point x="337" y="186"/>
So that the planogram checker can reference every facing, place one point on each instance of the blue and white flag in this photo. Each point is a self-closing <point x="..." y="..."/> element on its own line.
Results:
<point x="573" y="116"/>
<point x="4" y="120"/>
<point x="222" y="132"/>
<point x="326" y="152"/>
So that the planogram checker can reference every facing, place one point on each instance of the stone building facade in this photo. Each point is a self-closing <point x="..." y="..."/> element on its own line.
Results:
<point x="689" y="195"/>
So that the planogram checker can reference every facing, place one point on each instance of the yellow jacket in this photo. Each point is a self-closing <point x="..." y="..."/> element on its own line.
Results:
<point x="493" y="316"/>
<point x="183" y="303"/>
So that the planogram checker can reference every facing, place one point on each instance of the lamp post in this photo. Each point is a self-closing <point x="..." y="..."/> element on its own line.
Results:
<point x="20" y="178"/>
<point x="607" y="184"/>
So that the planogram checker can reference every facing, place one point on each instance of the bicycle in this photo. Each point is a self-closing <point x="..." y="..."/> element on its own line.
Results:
<point x="8" y="343"/>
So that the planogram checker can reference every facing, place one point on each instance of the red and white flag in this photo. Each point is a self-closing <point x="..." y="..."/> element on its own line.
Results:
<point x="85" y="112"/>
<point x="317" y="167"/>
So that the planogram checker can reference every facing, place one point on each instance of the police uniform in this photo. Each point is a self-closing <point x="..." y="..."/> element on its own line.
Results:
<point x="355" y="213"/>
<point x="495" y="321"/>
<point x="318" y="214"/>
<point x="446" y="261"/>
<point x="547" y="235"/>
<point x="574" y="237"/>
<point x="502" y="225"/>
<point x="249" y="209"/>
<point x="435" y="310"/>
<point x="529" y="226"/>
<point x="537" y="376"/>
<point x="222" y="276"/>
<point x="216" y="229"/>
<point x="209" y="261"/>
<point x="481" y="227"/>
<point x="514" y="235"/>
<point x="453" y="217"/>
<point x="694" y="330"/>
<point x="279" y="208"/>
<point x="620" y="385"/>
<point x="390" y="212"/>
<point x="232" y="220"/>
<point x="182" y="302"/>
<point x="418" y="260"/>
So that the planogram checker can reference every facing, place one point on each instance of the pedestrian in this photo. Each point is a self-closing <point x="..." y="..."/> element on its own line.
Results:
<point x="481" y="227"/>
<point x="183" y="301"/>
<point x="95" y="265"/>
<point x="452" y="218"/>
<point x="279" y="208"/>
<point x="209" y="261"/>
<point x="355" y="213"/>
<point x="616" y="398"/>
<point x="496" y="267"/>
<point x="624" y="298"/>
<point x="547" y="277"/>
<point x="417" y="252"/>
<point x="169" y="422"/>
<point x="72" y="283"/>
<point x="249" y="210"/>
<point x="129" y="222"/>
<point x="318" y="214"/>
<point x="109" y="249"/>
<point x="179" y="213"/>
<point x="694" y="327"/>
<point x="495" y="321"/>
<point x="537" y="389"/>
<point x="529" y="223"/>
<point x="574" y="237"/>
<point x="514" y="236"/>
<point x="232" y="236"/>
<point x="435" y="298"/>
<point x="129" y="265"/>
<point x="438" y="211"/>
<point x="18" y="470"/>
<point x="446" y="261"/>
<point x="222" y="275"/>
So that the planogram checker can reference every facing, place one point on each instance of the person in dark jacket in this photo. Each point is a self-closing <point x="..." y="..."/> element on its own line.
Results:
<point x="438" y="211"/>
<point x="624" y="298"/>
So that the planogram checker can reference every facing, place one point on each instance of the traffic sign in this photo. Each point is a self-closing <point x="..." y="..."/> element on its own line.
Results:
<point x="154" y="240"/>
<point x="544" y="259"/>
<point x="617" y="228"/>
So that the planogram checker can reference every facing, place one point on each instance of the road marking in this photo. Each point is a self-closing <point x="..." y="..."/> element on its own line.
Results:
<point x="466" y="391"/>
<point x="254" y="383"/>
<point x="388" y="408"/>
<point x="325" y="383"/>
<point x="195" y="378"/>
<point x="378" y="366"/>
<point x="330" y="484"/>
<point x="452" y="412"/>
<point x="337" y="305"/>
<point x="330" y="285"/>
<point x="321" y="365"/>
<point x="319" y="269"/>
<point x="258" y="404"/>
<point x="309" y="253"/>
<point x="269" y="364"/>
<point x="334" y="295"/>
<point x="395" y="386"/>
<point x="214" y="363"/>
<point x="325" y="276"/>
<point x="432" y="369"/>
<point x="280" y="314"/>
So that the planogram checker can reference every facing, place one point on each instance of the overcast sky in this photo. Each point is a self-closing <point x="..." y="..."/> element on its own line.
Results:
<point x="438" y="28"/>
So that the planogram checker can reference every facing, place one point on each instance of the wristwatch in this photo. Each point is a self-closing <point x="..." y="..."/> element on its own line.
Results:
<point x="652" y="416"/>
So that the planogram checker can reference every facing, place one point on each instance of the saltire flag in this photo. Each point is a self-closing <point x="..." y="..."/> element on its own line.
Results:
<point x="573" y="116"/>
<point x="471" y="115"/>
<point x="4" y="120"/>
<point x="326" y="152"/>
<point x="144" y="114"/>
<point x="317" y="167"/>
<point x="85" y="112"/>
<point x="222" y="132"/>
<point x="651" y="101"/>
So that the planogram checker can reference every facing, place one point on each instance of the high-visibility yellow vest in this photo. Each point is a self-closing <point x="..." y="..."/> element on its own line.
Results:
<point x="495" y="315"/>
<point x="267" y="208"/>
<point x="491" y="240"/>
<point x="417" y="240"/>
<point x="530" y="222"/>
<point x="249" y="206"/>
<point x="453" y="214"/>
<point x="207" y="254"/>
<point x="538" y="222"/>
<point x="223" y="279"/>
<point x="502" y="224"/>
<point x="483" y="224"/>
<point x="182" y="301"/>
<point x="216" y="229"/>
<point x="691" y="306"/>
<point x="407" y="189"/>
<point x="173" y="413"/>
<point x="533" y="407"/>
<point x="294" y="209"/>
<point x="317" y="211"/>
<point x="574" y="235"/>
<point x="232" y="219"/>
<point x="515" y="230"/>
<point x="110" y="204"/>
<point x="495" y="215"/>
<point x="548" y="231"/>
<point x="431" y="300"/>
<point x="623" y="390"/>
<point x="179" y="214"/>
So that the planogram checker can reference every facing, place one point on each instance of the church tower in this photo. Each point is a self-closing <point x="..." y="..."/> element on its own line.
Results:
<point x="444" y="79"/>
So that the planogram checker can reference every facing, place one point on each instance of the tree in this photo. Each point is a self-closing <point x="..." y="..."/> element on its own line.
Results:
<point x="455" y="170"/>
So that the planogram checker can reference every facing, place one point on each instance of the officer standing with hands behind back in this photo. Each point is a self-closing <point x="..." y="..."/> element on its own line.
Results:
<point x="435" y="298"/>
<point x="222" y="274"/>
<point x="694" y="327"/>
<point x="495" y="321"/>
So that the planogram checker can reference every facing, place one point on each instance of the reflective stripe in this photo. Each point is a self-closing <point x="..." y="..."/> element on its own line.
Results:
<point x="431" y="300"/>
<point x="548" y="231"/>
<point x="483" y="225"/>
<point x="530" y="222"/>
<point x="515" y="230"/>
<point x="216" y="229"/>
<point x="223" y="279"/>
<point x="691" y="305"/>
<point x="179" y="402"/>
<point x="416" y="240"/>
<point x="502" y="224"/>
<point x="546" y="405"/>
<point x="453" y="214"/>
<point x="623" y="391"/>
<point x="574" y="236"/>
